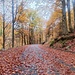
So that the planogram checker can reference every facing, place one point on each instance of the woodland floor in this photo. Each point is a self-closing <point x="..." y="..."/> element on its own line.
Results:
<point x="36" y="60"/>
<point x="67" y="45"/>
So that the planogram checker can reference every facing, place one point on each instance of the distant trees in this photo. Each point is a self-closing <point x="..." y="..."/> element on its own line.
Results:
<point x="34" y="24"/>
<point x="28" y="25"/>
<point x="21" y="20"/>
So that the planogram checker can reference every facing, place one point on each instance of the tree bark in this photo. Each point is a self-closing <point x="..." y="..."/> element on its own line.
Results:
<point x="74" y="12"/>
<point x="64" y="21"/>
<point x="24" y="40"/>
<point x="69" y="16"/>
<point x="3" y="25"/>
<point x="12" y="23"/>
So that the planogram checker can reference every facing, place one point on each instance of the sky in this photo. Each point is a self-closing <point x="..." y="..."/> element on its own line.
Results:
<point x="42" y="6"/>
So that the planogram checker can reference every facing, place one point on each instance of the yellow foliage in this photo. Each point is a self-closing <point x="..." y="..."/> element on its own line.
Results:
<point x="15" y="32"/>
<point x="22" y="17"/>
<point x="53" y="29"/>
<point x="54" y="16"/>
<point x="20" y="9"/>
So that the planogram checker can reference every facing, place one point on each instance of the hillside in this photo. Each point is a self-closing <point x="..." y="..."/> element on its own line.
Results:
<point x="66" y="43"/>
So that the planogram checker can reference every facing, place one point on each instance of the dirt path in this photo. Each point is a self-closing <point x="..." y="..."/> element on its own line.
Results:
<point x="37" y="61"/>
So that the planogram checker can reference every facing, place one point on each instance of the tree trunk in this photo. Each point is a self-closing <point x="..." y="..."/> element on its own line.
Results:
<point x="29" y="36"/>
<point x="3" y="25"/>
<point x="64" y="21"/>
<point x="19" y="39"/>
<point x="27" y="40"/>
<point x="69" y="16"/>
<point x="74" y="12"/>
<point x="12" y="23"/>
<point x="24" y="40"/>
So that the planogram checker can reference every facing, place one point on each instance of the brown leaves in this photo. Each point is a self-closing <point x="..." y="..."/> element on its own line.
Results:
<point x="9" y="59"/>
<point x="64" y="61"/>
<point x="35" y="60"/>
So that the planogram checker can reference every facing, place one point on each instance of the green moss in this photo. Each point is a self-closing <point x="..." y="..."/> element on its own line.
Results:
<point x="52" y="42"/>
<point x="63" y="42"/>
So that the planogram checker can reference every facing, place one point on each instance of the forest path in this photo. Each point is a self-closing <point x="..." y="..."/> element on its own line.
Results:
<point x="37" y="61"/>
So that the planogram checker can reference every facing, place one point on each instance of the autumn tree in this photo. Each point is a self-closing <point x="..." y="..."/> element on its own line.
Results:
<point x="3" y="24"/>
<point x="60" y="7"/>
<point x="21" y="19"/>
<point x="26" y="22"/>
<point x="34" y="23"/>
<point x="53" y="29"/>
<point x="8" y="35"/>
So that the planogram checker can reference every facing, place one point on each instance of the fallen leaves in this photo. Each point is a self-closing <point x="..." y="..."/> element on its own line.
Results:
<point x="63" y="61"/>
<point x="36" y="60"/>
<point x="9" y="59"/>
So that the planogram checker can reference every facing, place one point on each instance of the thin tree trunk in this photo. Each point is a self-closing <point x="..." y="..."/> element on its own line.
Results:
<point x="3" y="26"/>
<point x="27" y="40"/>
<point x="40" y="39"/>
<point x="12" y="23"/>
<point x="24" y="40"/>
<point x="29" y="35"/>
<point x="19" y="39"/>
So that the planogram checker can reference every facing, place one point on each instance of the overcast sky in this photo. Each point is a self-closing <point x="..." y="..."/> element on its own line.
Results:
<point x="42" y="6"/>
